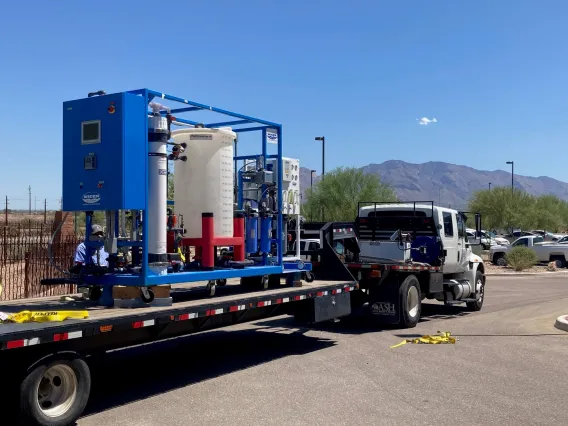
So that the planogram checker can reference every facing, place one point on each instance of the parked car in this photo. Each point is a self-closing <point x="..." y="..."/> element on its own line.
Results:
<point x="488" y="239"/>
<point x="546" y="252"/>
<point x="548" y="236"/>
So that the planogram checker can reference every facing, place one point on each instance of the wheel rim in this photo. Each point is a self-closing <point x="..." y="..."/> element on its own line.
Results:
<point x="57" y="390"/>
<point x="480" y="290"/>
<point x="412" y="301"/>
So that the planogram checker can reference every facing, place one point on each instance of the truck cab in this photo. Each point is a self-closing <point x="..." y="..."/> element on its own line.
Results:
<point x="418" y="231"/>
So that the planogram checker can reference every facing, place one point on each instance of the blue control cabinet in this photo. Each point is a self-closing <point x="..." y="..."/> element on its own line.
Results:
<point x="104" y="153"/>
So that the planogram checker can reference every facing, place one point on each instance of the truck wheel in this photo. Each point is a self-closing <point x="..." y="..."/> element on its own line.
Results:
<point x="559" y="260"/>
<point x="55" y="393"/>
<point x="410" y="302"/>
<point x="480" y="285"/>
<point x="499" y="259"/>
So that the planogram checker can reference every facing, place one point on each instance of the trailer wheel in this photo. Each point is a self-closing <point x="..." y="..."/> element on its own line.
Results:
<point x="309" y="277"/>
<point x="480" y="285"/>
<point x="265" y="281"/>
<point x="410" y="302"/>
<point x="222" y="282"/>
<point x="55" y="393"/>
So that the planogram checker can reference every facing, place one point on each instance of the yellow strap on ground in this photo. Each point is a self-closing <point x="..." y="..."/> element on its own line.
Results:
<point x="434" y="339"/>
<point x="47" y="316"/>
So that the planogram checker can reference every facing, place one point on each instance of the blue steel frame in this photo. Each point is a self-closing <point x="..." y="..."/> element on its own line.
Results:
<point x="145" y="279"/>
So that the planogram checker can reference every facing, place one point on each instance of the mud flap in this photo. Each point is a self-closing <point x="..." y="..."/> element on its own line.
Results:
<point x="385" y="302"/>
<point x="323" y="308"/>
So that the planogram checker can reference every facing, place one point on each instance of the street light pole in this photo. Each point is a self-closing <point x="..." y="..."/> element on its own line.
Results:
<point x="512" y="163"/>
<point x="322" y="139"/>
<point x="489" y="186"/>
<point x="312" y="179"/>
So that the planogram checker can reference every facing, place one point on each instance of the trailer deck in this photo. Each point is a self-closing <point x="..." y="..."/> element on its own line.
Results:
<point x="189" y="305"/>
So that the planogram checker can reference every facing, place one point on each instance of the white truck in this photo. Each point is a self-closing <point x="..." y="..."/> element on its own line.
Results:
<point x="424" y="237"/>
<point x="546" y="252"/>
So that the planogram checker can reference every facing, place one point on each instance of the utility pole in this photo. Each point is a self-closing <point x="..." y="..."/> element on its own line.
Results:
<point x="35" y="203"/>
<point x="30" y="198"/>
<point x="45" y="210"/>
<point x="6" y="211"/>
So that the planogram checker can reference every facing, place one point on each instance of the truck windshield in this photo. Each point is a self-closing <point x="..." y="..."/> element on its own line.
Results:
<point x="382" y="223"/>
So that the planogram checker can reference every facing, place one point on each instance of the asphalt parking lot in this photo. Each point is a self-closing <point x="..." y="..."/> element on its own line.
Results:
<point x="509" y="366"/>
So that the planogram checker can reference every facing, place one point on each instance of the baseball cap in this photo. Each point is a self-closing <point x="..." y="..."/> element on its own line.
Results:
<point x="96" y="229"/>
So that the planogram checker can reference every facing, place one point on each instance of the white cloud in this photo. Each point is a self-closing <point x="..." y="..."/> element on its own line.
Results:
<point x="425" y="121"/>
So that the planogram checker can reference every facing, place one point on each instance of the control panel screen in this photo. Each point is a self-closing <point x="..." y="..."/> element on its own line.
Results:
<point x="90" y="132"/>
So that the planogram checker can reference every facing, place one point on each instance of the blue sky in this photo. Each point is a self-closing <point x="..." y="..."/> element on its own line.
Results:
<point x="493" y="74"/>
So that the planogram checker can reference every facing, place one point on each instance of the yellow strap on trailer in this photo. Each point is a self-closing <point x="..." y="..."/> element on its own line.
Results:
<point x="181" y="254"/>
<point x="46" y="316"/>
<point x="434" y="339"/>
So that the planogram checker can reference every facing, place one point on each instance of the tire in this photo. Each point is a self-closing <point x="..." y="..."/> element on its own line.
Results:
<point x="559" y="260"/>
<point x="410" y="302"/>
<point x="499" y="259"/>
<point x="62" y="396"/>
<point x="476" y="306"/>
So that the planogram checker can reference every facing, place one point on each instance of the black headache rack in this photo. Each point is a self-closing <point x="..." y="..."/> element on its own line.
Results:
<point x="381" y="223"/>
<point x="338" y="244"/>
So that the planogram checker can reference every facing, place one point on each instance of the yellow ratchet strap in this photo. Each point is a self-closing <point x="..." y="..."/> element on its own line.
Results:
<point x="181" y="254"/>
<point x="434" y="339"/>
<point x="46" y="316"/>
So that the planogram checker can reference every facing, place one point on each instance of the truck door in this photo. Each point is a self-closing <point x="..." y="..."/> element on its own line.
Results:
<point x="449" y="235"/>
<point x="463" y="248"/>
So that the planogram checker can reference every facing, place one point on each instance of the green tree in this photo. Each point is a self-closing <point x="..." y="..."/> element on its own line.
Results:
<point x="338" y="194"/>
<point x="503" y="209"/>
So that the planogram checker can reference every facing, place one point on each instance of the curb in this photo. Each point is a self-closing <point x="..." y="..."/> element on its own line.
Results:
<point x="562" y="322"/>
<point x="526" y="274"/>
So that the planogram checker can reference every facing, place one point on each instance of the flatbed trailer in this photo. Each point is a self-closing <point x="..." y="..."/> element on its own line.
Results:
<point x="57" y="350"/>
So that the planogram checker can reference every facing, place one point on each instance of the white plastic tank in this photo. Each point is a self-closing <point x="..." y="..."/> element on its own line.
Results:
<point x="204" y="183"/>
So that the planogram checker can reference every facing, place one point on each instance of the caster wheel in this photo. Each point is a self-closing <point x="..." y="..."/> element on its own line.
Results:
<point x="95" y="293"/>
<point x="265" y="282"/>
<point x="221" y="282"/>
<point x="211" y="288"/>
<point x="309" y="277"/>
<point x="147" y="295"/>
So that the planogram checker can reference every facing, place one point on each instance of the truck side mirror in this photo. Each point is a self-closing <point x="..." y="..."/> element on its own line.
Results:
<point x="477" y="240"/>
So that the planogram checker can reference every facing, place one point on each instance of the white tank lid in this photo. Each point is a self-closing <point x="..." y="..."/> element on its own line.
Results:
<point x="205" y="131"/>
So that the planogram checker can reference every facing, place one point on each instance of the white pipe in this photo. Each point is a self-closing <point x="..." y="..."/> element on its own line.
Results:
<point x="157" y="199"/>
<point x="298" y="236"/>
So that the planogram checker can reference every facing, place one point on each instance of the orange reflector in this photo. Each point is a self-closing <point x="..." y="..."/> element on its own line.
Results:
<point x="105" y="328"/>
<point x="375" y="273"/>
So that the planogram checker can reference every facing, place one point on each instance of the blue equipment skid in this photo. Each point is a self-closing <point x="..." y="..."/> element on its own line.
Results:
<point x="106" y="168"/>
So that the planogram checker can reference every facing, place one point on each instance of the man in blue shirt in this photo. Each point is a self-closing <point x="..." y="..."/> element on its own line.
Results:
<point x="81" y="250"/>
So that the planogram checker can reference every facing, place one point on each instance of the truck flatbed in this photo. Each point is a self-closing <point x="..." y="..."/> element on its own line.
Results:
<point x="106" y="326"/>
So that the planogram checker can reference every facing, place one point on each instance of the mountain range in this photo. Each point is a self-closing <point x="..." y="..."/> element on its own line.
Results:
<point x="449" y="184"/>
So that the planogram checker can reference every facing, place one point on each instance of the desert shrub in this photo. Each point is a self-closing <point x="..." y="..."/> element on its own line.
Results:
<point x="520" y="258"/>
